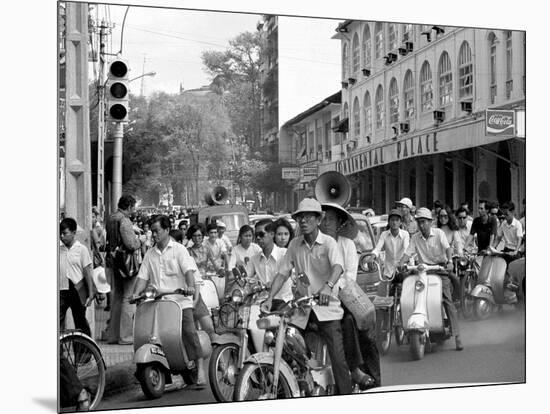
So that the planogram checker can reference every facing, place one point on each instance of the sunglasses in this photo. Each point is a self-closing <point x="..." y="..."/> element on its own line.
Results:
<point x="260" y="234"/>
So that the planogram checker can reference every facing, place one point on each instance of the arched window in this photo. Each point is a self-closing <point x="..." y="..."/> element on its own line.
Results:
<point x="492" y="66"/>
<point x="355" y="54"/>
<point x="356" y="119"/>
<point x="426" y="93"/>
<point x="345" y="61"/>
<point x="392" y="36"/>
<point x="379" y="40"/>
<point x="367" y="114"/>
<point x="394" y="101"/>
<point x="445" y="80"/>
<point x="408" y="94"/>
<point x="367" y="46"/>
<point x="509" y="63"/>
<point x="465" y="72"/>
<point x="379" y="103"/>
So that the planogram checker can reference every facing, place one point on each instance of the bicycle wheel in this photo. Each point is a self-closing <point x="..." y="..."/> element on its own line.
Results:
<point x="255" y="382"/>
<point x="87" y="362"/>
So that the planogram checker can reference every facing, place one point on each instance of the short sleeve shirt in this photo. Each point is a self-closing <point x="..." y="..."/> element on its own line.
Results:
<point x="351" y="261"/>
<point x="265" y="269"/>
<point x="316" y="262"/>
<point x="511" y="233"/>
<point x="72" y="262"/>
<point x="166" y="270"/>
<point x="394" y="247"/>
<point x="431" y="250"/>
<point x="242" y="256"/>
<point x="484" y="231"/>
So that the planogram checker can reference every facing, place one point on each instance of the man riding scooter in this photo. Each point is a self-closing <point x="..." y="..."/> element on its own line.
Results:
<point x="169" y="267"/>
<point x="432" y="248"/>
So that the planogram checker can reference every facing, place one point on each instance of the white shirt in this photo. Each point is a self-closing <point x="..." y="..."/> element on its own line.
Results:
<point x="217" y="248"/>
<point x="72" y="262"/>
<point x="166" y="270"/>
<point x="510" y="233"/>
<point x="265" y="269"/>
<point x="394" y="247"/>
<point x="432" y="250"/>
<point x="351" y="260"/>
<point x="242" y="256"/>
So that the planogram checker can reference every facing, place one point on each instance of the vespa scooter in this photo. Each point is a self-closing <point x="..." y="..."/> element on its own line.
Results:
<point x="490" y="292"/>
<point x="236" y="333"/>
<point x="423" y="316"/>
<point x="159" y="350"/>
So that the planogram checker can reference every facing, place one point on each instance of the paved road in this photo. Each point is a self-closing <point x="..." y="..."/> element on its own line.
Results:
<point x="494" y="352"/>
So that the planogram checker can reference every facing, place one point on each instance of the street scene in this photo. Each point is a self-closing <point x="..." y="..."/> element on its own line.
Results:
<point x="262" y="207"/>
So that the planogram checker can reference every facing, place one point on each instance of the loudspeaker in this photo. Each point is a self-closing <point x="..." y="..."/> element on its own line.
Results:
<point x="333" y="187"/>
<point x="217" y="196"/>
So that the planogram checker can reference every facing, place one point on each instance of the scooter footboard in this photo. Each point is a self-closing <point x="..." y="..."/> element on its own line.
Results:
<point x="149" y="353"/>
<point x="267" y="358"/>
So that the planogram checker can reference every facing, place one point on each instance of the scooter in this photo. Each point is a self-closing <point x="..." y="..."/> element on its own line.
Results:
<point x="237" y="335"/>
<point x="289" y="369"/>
<point x="467" y="269"/>
<point x="158" y="346"/>
<point x="424" y="319"/>
<point x="490" y="292"/>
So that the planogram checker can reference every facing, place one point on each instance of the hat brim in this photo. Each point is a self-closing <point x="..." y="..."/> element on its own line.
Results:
<point x="350" y="229"/>
<point x="293" y="215"/>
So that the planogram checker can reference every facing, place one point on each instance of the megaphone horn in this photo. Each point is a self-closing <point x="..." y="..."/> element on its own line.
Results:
<point x="333" y="187"/>
<point x="218" y="195"/>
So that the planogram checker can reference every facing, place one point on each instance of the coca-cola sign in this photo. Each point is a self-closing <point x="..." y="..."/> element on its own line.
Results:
<point x="500" y="122"/>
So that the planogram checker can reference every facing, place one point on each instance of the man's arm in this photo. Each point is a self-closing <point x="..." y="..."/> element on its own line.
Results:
<point x="379" y="245"/>
<point x="88" y="279"/>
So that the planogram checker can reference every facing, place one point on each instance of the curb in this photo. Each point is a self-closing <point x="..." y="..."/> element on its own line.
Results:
<point x="119" y="378"/>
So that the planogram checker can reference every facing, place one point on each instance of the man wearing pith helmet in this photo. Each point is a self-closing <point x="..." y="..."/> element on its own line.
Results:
<point x="432" y="248"/>
<point x="317" y="256"/>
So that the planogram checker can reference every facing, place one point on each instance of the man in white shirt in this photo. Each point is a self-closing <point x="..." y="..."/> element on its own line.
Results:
<point x="264" y="264"/>
<point x="393" y="242"/>
<point x="510" y="230"/>
<point x="169" y="267"/>
<point x="76" y="287"/>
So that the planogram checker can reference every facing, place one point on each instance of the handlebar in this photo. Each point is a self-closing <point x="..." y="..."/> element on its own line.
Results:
<point x="157" y="295"/>
<point x="291" y="305"/>
<point x="425" y="267"/>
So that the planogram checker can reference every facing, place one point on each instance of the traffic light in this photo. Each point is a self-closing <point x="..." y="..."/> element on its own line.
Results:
<point x="118" y="91"/>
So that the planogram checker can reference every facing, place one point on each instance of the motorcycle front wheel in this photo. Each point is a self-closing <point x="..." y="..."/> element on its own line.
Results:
<point x="152" y="380"/>
<point x="467" y="284"/>
<point x="383" y="332"/>
<point x="223" y="371"/>
<point x="417" y="344"/>
<point x="255" y="383"/>
<point x="482" y="309"/>
<point x="398" y="327"/>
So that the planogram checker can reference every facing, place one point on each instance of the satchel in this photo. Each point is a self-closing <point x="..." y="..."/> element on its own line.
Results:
<point x="359" y="304"/>
<point x="127" y="263"/>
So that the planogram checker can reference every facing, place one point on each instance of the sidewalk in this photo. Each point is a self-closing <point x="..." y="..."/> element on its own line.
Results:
<point x="120" y="367"/>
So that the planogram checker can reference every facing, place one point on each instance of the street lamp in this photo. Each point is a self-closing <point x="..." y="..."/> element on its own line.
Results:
<point x="153" y="73"/>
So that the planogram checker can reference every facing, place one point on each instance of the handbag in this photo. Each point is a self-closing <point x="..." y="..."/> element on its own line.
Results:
<point x="127" y="263"/>
<point x="359" y="304"/>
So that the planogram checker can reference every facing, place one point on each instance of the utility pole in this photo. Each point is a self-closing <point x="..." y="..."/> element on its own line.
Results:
<point x="143" y="78"/>
<point x="101" y="129"/>
<point x="117" y="163"/>
<point x="78" y="192"/>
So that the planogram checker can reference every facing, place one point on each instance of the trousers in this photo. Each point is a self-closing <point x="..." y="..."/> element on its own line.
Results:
<point x="331" y="333"/>
<point x="448" y="304"/>
<point x="189" y="335"/>
<point x="360" y="347"/>
<point x="121" y="321"/>
<point x="69" y="299"/>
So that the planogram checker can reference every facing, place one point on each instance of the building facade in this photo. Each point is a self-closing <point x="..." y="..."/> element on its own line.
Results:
<point x="415" y="100"/>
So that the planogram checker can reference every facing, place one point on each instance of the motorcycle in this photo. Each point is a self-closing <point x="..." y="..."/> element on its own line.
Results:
<point x="159" y="350"/>
<point x="424" y="319"/>
<point x="490" y="292"/>
<point x="289" y="369"/>
<point x="467" y="269"/>
<point x="237" y="336"/>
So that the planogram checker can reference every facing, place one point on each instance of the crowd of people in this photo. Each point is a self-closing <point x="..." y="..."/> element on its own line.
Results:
<point x="170" y="254"/>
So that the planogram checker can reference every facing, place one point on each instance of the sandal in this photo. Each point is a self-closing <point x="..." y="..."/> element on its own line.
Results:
<point x="364" y="381"/>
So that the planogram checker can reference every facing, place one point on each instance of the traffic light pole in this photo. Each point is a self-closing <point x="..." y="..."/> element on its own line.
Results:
<point x="117" y="164"/>
<point x="101" y="124"/>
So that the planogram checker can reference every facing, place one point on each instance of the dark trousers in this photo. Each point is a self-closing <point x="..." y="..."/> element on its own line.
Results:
<point x="360" y="347"/>
<point x="121" y="320"/>
<point x="331" y="333"/>
<point x="69" y="384"/>
<point x="449" y="305"/>
<point x="189" y="335"/>
<point x="69" y="299"/>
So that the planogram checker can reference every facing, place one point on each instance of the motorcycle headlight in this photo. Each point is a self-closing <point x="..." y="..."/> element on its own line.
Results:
<point x="419" y="285"/>
<point x="269" y="338"/>
<point x="150" y="292"/>
<point x="463" y="262"/>
<point x="237" y="296"/>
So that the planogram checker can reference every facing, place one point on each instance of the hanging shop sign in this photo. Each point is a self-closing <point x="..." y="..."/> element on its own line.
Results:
<point x="500" y="122"/>
<point x="308" y="174"/>
<point x="290" y="173"/>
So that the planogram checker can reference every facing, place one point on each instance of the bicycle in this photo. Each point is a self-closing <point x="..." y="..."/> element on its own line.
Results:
<point x="84" y="356"/>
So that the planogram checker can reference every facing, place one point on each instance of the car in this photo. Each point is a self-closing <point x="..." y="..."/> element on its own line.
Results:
<point x="233" y="216"/>
<point x="254" y="218"/>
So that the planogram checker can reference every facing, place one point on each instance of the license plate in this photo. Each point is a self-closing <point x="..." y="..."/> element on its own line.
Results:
<point x="158" y="351"/>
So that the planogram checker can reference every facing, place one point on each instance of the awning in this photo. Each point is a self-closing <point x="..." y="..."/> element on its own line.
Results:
<point x="342" y="126"/>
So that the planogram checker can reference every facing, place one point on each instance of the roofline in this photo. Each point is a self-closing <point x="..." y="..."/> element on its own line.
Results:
<point x="335" y="98"/>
